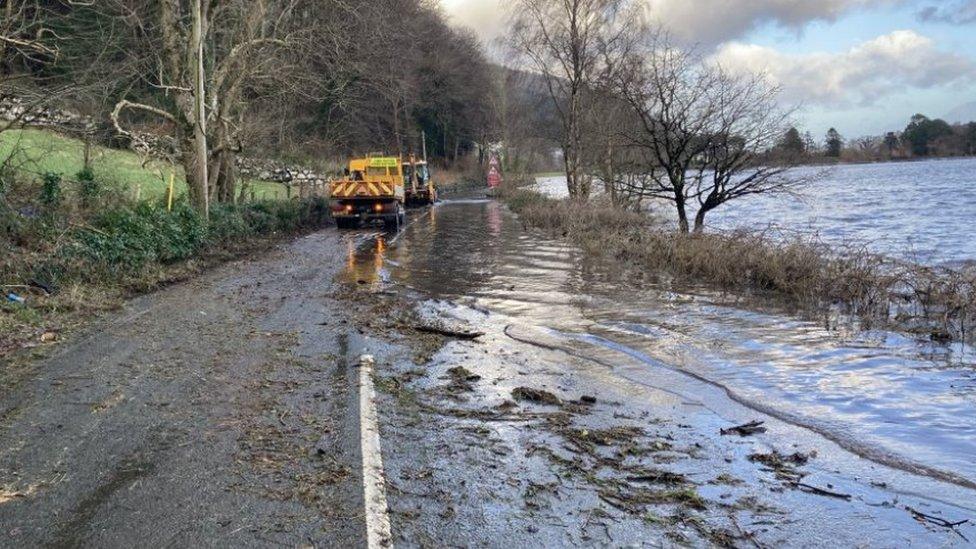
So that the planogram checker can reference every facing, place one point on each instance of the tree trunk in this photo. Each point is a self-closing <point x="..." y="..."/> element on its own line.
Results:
<point x="224" y="176"/>
<point x="679" y="203"/>
<point x="396" y="126"/>
<point x="609" y="185"/>
<point x="194" y="185"/>
<point x="710" y="204"/>
<point x="700" y="221"/>
<point x="245" y="187"/>
<point x="570" y="172"/>
<point x="199" y="163"/>
<point x="88" y="146"/>
<point x="576" y="188"/>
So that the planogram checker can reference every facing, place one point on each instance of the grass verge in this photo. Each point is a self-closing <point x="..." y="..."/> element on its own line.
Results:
<point x="935" y="302"/>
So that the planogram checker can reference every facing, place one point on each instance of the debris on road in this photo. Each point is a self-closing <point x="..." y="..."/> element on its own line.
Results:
<point x="537" y="396"/>
<point x="746" y="429"/>
<point x="775" y="459"/>
<point x="461" y="380"/>
<point x="783" y="466"/>
<point x="460" y="373"/>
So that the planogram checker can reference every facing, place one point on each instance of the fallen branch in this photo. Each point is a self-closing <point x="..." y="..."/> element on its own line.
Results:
<point x="448" y="333"/>
<point x="938" y="521"/>
<point x="820" y="491"/>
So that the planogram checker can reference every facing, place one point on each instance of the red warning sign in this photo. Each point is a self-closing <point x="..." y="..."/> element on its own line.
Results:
<point x="494" y="175"/>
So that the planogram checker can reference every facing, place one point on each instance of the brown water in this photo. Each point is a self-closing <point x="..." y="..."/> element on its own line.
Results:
<point x="880" y="394"/>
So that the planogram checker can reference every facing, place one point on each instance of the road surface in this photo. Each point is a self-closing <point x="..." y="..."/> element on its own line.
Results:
<point x="300" y="399"/>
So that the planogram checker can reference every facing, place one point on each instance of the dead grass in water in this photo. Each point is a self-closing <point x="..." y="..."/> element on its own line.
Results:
<point x="803" y="272"/>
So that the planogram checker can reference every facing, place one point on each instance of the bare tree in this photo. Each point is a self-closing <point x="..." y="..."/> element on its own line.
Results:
<point x="207" y="53"/>
<point x="25" y="41"/>
<point x="703" y="132"/>
<point x="572" y="43"/>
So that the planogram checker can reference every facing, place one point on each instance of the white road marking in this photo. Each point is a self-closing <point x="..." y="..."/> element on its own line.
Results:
<point x="374" y="485"/>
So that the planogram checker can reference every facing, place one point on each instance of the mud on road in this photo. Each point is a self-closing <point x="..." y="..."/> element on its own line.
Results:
<point x="226" y="411"/>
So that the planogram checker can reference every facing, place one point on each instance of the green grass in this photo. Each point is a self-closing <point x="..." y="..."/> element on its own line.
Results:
<point x="36" y="152"/>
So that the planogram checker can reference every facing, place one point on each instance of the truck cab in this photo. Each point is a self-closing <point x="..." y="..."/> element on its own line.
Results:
<point x="371" y="189"/>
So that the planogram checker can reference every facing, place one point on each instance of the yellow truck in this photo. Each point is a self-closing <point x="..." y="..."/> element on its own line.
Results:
<point x="377" y="188"/>
<point x="372" y="189"/>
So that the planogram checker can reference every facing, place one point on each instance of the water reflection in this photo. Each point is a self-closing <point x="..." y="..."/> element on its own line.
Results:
<point x="365" y="262"/>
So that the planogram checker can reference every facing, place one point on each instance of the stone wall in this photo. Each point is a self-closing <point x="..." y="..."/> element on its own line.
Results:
<point x="14" y="108"/>
<point x="270" y="170"/>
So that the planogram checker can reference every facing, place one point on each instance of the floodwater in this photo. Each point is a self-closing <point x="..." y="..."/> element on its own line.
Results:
<point x="912" y="210"/>
<point x="906" y="403"/>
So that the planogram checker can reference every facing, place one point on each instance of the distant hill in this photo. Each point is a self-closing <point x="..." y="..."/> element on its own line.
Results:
<point x="962" y="114"/>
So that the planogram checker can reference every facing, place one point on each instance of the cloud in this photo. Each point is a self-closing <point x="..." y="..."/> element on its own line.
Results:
<point x="712" y="22"/>
<point x="961" y="12"/>
<point x="487" y="18"/>
<point x="861" y="75"/>
<point x="706" y="22"/>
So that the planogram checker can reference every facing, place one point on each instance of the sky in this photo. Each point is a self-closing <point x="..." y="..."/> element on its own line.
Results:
<point x="862" y="66"/>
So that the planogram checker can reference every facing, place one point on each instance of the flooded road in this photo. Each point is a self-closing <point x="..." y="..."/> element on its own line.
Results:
<point x="908" y="403"/>
<point x="883" y="425"/>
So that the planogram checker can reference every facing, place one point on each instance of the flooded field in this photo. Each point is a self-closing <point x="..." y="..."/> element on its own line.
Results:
<point x="914" y="210"/>
<point x="906" y="403"/>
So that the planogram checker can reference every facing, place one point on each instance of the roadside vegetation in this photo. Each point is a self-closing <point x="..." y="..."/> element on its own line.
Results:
<point x="938" y="303"/>
<point x="73" y="246"/>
